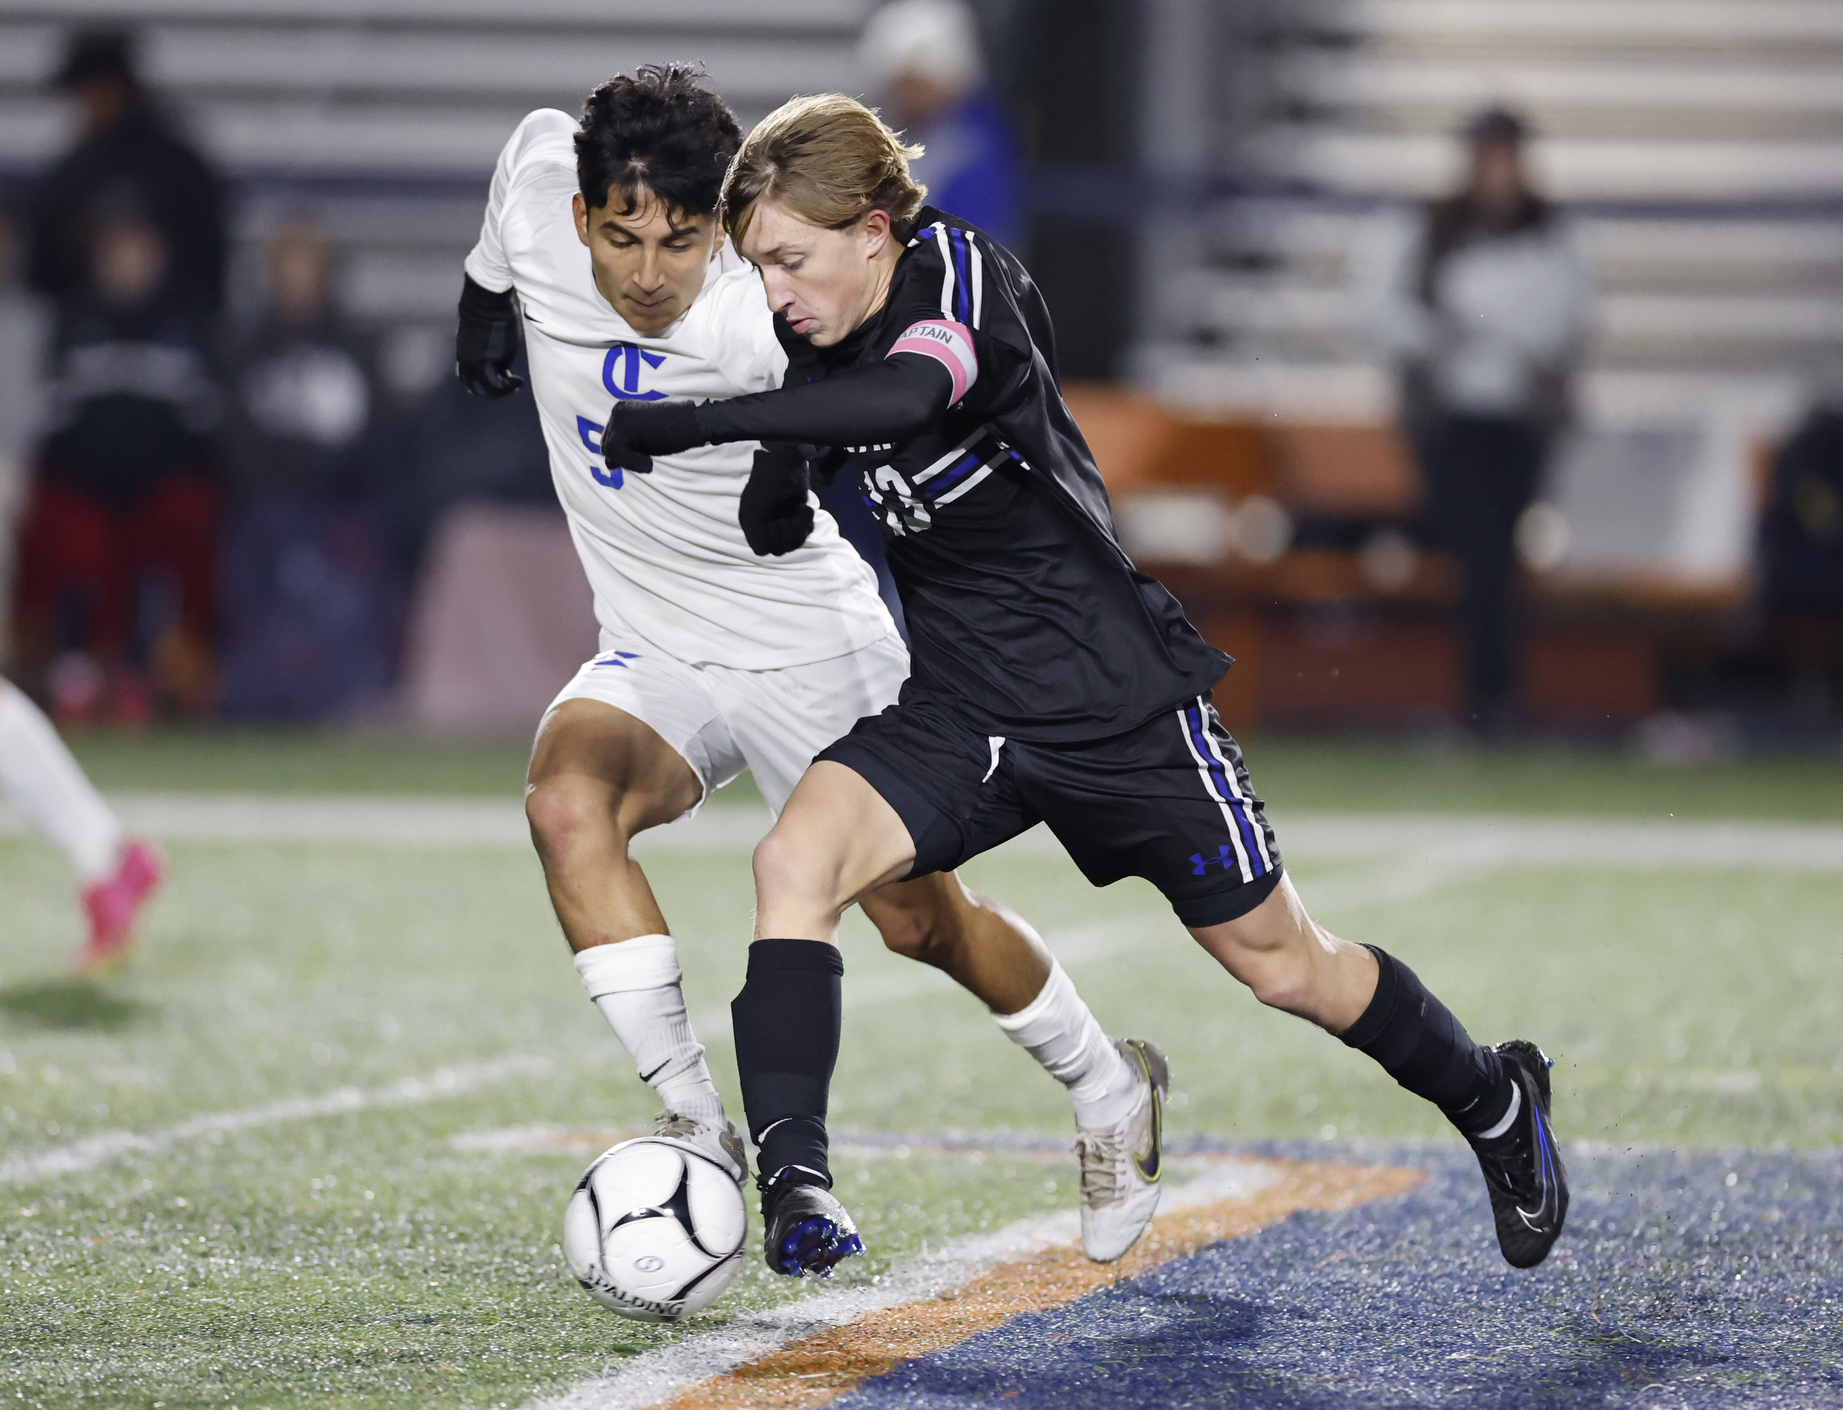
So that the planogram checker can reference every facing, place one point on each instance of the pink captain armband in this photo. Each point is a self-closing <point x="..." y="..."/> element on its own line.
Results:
<point x="950" y="344"/>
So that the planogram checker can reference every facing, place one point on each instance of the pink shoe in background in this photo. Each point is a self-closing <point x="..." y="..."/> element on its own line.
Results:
<point x="113" y="905"/>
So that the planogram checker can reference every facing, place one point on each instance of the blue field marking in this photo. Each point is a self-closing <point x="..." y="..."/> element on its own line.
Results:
<point x="1670" y="1288"/>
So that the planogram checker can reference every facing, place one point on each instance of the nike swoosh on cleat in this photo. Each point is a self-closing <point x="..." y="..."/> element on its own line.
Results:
<point x="1537" y="1219"/>
<point x="1148" y="1165"/>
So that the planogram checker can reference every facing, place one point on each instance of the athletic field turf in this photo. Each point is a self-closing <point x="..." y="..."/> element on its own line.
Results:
<point x="313" y="1148"/>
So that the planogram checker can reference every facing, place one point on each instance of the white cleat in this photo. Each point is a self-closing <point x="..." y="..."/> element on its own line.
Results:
<point x="722" y="1144"/>
<point x="1120" y="1167"/>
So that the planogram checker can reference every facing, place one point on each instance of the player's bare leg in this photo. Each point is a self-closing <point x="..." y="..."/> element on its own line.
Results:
<point x="1497" y="1097"/>
<point x="984" y="946"/>
<point x="835" y="840"/>
<point x="1292" y="963"/>
<point x="835" y="835"/>
<point x="599" y="776"/>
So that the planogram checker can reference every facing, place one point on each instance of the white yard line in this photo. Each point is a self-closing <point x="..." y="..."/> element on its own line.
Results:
<point x="658" y="1375"/>
<point x="1458" y="839"/>
<point x="383" y="821"/>
<point x="92" y="1151"/>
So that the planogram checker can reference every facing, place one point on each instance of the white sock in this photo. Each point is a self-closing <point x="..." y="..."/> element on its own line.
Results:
<point x="635" y="983"/>
<point x="1057" y="1029"/>
<point x="37" y="770"/>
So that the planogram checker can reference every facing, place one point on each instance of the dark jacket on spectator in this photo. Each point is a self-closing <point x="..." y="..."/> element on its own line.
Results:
<point x="303" y="407"/>
<point x="132" y="400"/>
<point x="139" y="160"/>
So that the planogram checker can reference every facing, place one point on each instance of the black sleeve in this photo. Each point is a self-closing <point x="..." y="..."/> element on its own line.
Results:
<point x="948" y="274"/>
<point x="55" y="247"/>
<point x="960" y="275"/>
<point x="893" y="400"/>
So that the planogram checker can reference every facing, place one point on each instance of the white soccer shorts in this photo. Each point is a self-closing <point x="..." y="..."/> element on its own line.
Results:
<point x="722" y="721"/>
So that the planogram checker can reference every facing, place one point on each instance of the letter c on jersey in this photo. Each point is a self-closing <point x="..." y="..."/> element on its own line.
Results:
<point x="591" y="434"/>
<point x="628" y="359"/>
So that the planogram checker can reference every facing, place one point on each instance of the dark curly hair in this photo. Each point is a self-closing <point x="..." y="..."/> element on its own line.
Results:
<point x="657" y="130"/>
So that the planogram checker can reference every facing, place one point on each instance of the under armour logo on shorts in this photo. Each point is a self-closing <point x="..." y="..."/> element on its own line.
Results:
<point x="1224" y="858"/>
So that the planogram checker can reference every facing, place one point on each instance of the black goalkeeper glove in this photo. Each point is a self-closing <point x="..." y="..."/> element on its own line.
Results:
<point x="776" y="517"/>
<point x="639" y="430"/>
<point x="487" y="342"/>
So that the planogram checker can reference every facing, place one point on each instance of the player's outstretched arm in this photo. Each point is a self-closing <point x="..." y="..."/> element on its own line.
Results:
<point x="893" y="400"/>
<point x="487" y="341"/>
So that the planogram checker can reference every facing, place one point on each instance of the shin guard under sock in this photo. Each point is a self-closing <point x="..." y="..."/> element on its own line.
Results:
<point x="786" y="1020"/>
<point x="1419" y="1043"/>
<point x="636" y="985"/>
<point x="1057" y="1029"/>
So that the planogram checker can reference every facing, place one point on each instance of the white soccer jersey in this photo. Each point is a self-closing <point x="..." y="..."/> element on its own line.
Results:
<point x="664" y="552"/>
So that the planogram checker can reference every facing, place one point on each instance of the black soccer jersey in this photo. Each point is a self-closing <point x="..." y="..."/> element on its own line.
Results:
<point x="1025" y="617"/>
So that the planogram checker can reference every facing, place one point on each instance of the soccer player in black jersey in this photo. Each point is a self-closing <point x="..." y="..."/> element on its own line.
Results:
<point x="1051" y="681"/>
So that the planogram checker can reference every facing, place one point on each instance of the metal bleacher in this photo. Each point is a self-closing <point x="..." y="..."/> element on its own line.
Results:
<point x="383" y="117"/>
<point x="1697" y="143"/>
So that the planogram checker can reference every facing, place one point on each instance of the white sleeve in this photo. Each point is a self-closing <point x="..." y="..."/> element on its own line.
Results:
<point x="750" y="354"/>
<point x="486" y="263"/>
<point x="1385" y="263"/>
<point x="769" y="365"/>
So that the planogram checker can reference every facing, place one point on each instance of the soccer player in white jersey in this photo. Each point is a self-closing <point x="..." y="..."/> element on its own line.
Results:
<point x="117" y="874"/>
<point x="713" y="659"/>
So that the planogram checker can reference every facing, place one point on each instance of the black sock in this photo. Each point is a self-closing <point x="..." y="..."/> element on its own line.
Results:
<point x="1422" y="1046"/>
<point x="786" y="1020"/>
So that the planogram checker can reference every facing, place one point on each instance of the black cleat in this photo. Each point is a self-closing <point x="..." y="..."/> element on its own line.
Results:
<point x="1523" y="1169"/>
<point x="806" y="1229"/>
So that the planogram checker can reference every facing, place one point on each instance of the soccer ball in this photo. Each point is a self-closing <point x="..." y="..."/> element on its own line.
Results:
<point x="655" y="1229"/>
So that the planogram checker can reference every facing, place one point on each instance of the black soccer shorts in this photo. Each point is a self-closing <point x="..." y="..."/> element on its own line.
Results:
<point x="1169" y="801"/>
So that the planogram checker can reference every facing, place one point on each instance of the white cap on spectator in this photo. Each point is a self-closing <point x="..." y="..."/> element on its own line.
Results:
<point x="932" y="39"/>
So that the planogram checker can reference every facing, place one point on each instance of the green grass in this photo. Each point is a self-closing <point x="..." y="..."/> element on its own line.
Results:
<point x="1340" y="775"/>
<point x="364" y="1260"/>
<point x="178" y="758"/>
<point x="1304" y="773"/>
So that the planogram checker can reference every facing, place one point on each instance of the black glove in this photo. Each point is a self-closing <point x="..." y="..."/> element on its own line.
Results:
<point x="639" y="430"/>
<point x="776" y="517"/>
<point x="826" y="463"/>
<point x="487" y="342"/>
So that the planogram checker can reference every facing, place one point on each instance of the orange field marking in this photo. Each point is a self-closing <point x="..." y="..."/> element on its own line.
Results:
<point x="821" y="1368"/>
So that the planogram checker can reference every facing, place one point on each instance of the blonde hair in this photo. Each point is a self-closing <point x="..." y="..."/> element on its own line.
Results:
<point x="829" y="160"/>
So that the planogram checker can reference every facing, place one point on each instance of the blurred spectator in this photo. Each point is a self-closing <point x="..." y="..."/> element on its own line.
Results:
<point x="457" y="449"/>
<point x="1483" y="303"/>
<point x="118" y="546"/>
<point x="310" y="604"/>
<point x="128" y="153"/>
<point x="306" y="383"/>
<point x="1801" y="533"/>
<point x="923" y="61"/>
<point x="22" y="364"/>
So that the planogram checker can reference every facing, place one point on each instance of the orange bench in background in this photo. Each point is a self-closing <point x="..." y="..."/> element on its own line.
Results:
<point x="1338" y="638"/>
